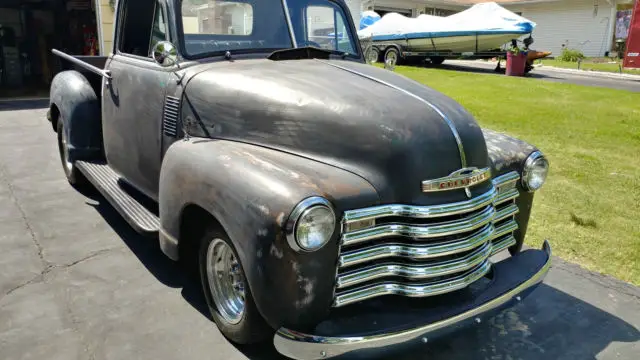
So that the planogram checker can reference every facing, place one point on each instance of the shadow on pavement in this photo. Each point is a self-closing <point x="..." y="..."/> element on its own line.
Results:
<point x="12" y="105"/>
<point x="548" y="324"/>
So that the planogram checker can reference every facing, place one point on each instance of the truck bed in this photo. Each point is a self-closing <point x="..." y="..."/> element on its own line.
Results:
<point x="94" y="79"/>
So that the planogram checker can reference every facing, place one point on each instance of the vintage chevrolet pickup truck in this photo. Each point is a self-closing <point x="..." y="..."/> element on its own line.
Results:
<point x="330" y="205"/>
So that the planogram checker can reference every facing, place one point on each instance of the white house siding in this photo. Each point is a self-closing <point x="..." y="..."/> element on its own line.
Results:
<point x="570" y="22"/>
<point x="355" y="7"/>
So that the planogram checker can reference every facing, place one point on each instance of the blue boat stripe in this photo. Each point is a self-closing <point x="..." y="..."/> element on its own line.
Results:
<point x="429" y="35"/>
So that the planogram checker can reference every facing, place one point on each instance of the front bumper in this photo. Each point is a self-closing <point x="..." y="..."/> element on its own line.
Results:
<point x="513" y="279"/>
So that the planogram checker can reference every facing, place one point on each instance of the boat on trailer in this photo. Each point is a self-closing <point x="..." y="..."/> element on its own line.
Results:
<point x="478" y="32"/>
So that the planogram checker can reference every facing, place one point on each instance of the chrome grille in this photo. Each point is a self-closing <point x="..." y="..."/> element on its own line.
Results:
<point x="420" y="251"/>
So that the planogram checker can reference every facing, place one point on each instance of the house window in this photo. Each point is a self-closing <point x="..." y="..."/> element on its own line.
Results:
<point x="438" y="12"/>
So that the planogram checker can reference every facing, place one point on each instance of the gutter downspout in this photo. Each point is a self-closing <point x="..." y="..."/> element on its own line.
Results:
<point x="612" y="26"/>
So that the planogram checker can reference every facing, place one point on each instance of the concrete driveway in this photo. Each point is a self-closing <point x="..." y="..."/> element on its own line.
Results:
<point x="612" y="81"/>
<point x="77" y="283"/>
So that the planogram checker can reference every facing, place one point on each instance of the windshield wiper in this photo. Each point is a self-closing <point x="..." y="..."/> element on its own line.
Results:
<point x="306" y="52"/>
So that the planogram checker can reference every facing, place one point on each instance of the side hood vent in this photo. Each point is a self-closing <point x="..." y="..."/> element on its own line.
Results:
<point x="170" y="118"/>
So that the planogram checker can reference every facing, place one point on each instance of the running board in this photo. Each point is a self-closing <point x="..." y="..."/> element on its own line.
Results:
<point x="107" y="182"/>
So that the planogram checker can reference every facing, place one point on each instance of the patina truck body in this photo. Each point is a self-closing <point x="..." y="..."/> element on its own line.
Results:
<point x="330" y="205"/>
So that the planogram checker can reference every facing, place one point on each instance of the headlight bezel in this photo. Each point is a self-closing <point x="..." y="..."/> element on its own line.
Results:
<point x="529" y="165"/>
<point x="303" y="208"/>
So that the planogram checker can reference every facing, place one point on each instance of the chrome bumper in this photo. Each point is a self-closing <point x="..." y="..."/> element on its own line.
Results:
<point x="301" y="346"/>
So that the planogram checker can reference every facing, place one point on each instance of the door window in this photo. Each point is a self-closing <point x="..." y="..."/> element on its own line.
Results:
<point x="326" y="28"/>
<point x="159" y="30"/>
<point x="136" y="22"/>
<point x="217" y="17"/>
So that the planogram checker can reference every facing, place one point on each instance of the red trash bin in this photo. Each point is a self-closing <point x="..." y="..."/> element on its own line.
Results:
<point x="516" y="63"/>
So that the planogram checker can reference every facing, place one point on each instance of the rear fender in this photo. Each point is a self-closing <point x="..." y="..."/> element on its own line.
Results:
<point x="73" y="100"/>
<point x="251" y="190"/>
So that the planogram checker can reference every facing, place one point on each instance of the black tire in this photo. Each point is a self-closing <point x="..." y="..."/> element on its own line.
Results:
<point x="436" y="60"/>
<point x="71" y="172"/>
<point x="251" y="327"/>
<point x="391" y="54"/>
<point x="373" y="54"/>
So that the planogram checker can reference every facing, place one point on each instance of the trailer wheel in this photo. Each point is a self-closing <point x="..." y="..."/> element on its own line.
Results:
<point x="392" y="57"/>
<point x="436" y="60"/>
<point x="373" y="55"/>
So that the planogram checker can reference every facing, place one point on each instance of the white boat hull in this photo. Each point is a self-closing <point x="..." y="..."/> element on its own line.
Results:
<point x="461" y="44"/>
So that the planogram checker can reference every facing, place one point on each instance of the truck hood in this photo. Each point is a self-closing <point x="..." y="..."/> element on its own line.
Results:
<point x="381" y="126"/>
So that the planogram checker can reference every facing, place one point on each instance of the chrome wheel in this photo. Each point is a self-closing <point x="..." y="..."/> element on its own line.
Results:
<point x="225" y="280"/>
<point x="64" y="151"/>
<point x="372" y="56"/>
<point x="392" y="58"/>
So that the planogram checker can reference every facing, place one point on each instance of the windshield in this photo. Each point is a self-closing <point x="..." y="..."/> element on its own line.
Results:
<point x="215" y="26"/>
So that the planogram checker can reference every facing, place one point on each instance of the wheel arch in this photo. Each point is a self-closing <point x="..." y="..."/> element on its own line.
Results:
<point x="194" y="221"/>
<point x="54" y="115"/>
<point x="74" y="101"/>
<point x="250" y="191"/>
<point x="394" y="46"/>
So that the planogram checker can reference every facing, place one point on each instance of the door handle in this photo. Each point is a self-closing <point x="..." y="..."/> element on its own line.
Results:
<point x="106" y="74"/>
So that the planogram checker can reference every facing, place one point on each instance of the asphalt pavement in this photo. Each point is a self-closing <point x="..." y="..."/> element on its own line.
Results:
<point x="612" y="81"/>
<point x="76" y="282"/>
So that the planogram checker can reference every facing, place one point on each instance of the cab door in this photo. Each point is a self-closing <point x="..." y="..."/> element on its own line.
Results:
<point x="134" y="97"/>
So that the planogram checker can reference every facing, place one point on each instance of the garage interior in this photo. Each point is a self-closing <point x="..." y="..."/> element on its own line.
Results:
<point x="384" y="10"/>
<point x="29" y="29"/>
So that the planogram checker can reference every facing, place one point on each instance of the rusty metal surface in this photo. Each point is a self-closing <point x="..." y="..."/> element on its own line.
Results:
<point x="336" y="117"/>
<point x="132" y="114"/>
<point x="509" y="154"/>
<point x="251" y="190"/>
<point x="506" y="152"/>
<point x="267" y="134"/>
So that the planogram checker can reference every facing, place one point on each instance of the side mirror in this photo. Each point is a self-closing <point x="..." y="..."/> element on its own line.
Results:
<point x="165" y="54"/>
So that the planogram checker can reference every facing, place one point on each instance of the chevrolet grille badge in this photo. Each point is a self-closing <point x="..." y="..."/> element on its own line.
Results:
<point x="460" y="179"/>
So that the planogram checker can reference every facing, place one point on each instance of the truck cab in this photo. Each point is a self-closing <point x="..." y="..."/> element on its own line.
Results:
<point x="326" y="204"/>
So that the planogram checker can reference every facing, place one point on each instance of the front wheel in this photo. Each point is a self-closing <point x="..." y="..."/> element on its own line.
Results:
<point x="228" y="296"/>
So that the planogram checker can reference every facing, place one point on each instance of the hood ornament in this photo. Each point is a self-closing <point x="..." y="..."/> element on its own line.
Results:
<point x="463" y="178"/>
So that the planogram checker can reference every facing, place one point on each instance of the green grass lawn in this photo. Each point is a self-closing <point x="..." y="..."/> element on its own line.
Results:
<point x="589" y="208"/>
<point x="587" y="65"/>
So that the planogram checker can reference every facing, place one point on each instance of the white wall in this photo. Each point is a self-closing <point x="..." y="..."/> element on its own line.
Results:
<point x="572" y="22"/>
<point x="355" y="7"/>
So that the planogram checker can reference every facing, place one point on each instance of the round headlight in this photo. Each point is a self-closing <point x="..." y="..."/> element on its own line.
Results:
<point x="535" y="171"/>
<point x="311" y="224"/>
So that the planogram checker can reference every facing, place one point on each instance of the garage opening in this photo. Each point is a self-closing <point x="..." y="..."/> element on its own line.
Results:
<point x="29" y="29"/>
<point x="383" y="10"/>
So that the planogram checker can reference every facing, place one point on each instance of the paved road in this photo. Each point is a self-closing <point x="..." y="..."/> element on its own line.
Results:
<point x="77" y="283"/>
<point x="549" y="75"/>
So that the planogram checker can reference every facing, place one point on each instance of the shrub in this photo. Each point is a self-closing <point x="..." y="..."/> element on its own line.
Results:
<point x="571" y="55"/>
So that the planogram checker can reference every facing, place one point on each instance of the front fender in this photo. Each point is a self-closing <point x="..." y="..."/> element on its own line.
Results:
<point x="506" y="152"/>
<point x="79" y="107"/>
<point x="251" y="191"/>
<point x="509" y="154"/>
